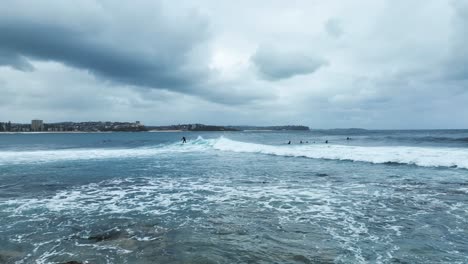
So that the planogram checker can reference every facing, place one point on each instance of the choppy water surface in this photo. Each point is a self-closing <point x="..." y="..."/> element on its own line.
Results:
<point x="381" y="197"/>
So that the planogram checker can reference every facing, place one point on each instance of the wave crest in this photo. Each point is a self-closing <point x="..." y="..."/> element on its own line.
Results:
<point x="420" y="156"/>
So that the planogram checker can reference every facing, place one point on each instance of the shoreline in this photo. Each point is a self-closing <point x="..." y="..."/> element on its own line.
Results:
<point x="165" y="131"/>
<point x="58" y="132"/>
<point x="103" y="132"/>
<point x="149" y="131"/>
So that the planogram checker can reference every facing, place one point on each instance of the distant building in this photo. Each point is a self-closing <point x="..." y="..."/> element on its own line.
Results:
<point x="37" y="125"/>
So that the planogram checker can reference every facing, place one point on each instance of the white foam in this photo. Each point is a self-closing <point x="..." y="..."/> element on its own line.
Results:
<point x="334" y="208"/>
<point x="421" y="156"/>
<point x="41" y="156"/>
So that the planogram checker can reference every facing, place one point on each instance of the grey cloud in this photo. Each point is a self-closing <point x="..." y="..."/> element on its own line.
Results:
<point x="162" y="48"/>
<point x="187" y="61"/>
<point x="15" y="61"/>
<point x="457" y="63"/>
<point x="160" y="59"/>
<point x="334" y="28"/>
<point x="274" y="64"/>
<point x="237" y="95"/>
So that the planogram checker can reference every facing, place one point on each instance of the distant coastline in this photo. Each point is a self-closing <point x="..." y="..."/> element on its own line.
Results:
<point x="38" y="126"/>
<point x="57" y="132"/>
<point x="165" y="131"/>
<point x="202" y="127"/>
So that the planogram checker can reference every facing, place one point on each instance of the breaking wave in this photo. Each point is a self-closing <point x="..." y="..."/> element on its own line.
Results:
<point x="420" y="156"/>
<point x="41" y="156"/>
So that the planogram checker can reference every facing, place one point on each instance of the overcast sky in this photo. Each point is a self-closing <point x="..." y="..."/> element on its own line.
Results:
<point x="325" y="64"/>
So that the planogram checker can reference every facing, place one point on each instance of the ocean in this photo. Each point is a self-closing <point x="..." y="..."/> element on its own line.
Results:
<point x="235" y="197"/>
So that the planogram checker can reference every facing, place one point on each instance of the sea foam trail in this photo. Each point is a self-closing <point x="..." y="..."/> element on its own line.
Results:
<point x="420" y="156"/>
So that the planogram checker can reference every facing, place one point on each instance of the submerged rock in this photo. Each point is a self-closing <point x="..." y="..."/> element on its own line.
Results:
<point x="6" y="256"/>
<point x="107" y="235"/>
<point x="321" y="174"/>
<point x="301" y="259"/>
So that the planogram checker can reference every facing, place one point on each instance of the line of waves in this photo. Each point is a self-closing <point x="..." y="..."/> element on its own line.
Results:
<point x="420" y="156"/>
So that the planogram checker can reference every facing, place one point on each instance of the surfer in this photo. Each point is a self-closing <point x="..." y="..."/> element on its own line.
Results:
<point x="184" y="140"/>
<point x="289" y="143"/>
<point x="326" y="141"/>
<point x="347" y="138"/>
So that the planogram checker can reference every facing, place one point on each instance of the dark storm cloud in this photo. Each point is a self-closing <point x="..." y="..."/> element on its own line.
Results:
<point x="160" y="60"/>
<point x="14" y="60"/>
<point x="275" y="65"/>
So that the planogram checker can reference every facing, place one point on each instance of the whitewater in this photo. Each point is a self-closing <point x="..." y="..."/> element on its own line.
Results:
<point x="419" y="156"/>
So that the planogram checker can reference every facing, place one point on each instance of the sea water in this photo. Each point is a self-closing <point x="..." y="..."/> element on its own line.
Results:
<point x="235" y="197"/>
